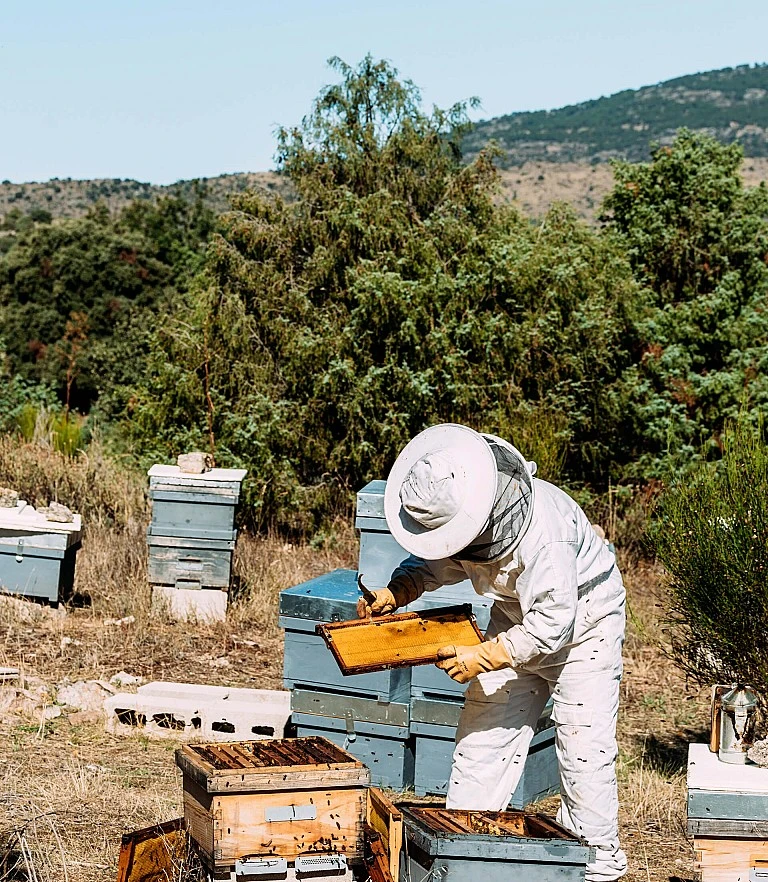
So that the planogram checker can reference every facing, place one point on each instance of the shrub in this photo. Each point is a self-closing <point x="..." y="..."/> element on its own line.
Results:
<point x="710" y="531"/>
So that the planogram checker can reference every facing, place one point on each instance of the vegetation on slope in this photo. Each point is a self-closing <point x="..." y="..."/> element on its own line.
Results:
<point x="731" y="105"/>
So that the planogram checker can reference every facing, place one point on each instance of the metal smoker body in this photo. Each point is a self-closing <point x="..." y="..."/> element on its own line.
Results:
<point x="738" y="716"/>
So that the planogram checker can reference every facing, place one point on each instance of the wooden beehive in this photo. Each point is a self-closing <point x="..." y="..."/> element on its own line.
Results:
<point x="273" y="798"/>
<point x="401" y="640"/>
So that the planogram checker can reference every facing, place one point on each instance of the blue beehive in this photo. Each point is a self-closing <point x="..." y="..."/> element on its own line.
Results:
<point x="308" y="663"/>
<point x="191" y="537"/>
<point x="37" y="556"/>
<point x="535" y="849"/>
<point x="433" y="723"/>
<point x="376" y="732"/>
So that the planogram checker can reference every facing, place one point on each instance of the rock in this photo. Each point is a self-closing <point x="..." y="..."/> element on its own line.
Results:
<point x="195" y="463"/>
<point x="83" y="696"/>
<point x="221" y="662"/>
<point x="758" y="753"/>
<point x="8" y="498"/>
<point x="52" y="712"/>
<point x="124" y="679"/>
<point x="56" y="512"/>
<point x="81" y="718"/>
<point x="127" y="620"/>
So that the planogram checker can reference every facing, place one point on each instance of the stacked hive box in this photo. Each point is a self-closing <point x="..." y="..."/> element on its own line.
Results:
<point x="402" y="723"/>
<point x="727" y="817"/>
<point x="367" y="714"/>
<point x="37" y="556"/>
<point x="191" y="539"/>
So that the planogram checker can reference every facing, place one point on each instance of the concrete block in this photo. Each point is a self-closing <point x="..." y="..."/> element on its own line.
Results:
<point x="183" y="711"/>
<point x="190" y="604"/>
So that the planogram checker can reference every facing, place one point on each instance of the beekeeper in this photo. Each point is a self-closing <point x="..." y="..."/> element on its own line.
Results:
<point x="466" y="505"/>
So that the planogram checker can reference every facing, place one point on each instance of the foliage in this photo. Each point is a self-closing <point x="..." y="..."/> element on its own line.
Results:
<point x="731" y="103"/>
<point x="711" y="533"/>
<point x="67" y="287"/>
<point x="393" y="293"/>
<point x="698" y="241"/>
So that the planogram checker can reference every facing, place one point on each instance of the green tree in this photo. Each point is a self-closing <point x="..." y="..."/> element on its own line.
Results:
<point x="698" y="242"/>
<point x="394" y="292"/>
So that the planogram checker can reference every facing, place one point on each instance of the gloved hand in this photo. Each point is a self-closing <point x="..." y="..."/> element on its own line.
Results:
<point x="399" y="592"/>
<point x="464" y="663"/>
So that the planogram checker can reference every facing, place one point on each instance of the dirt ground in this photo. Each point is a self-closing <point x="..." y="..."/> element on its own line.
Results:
<point x="68" y="790"/>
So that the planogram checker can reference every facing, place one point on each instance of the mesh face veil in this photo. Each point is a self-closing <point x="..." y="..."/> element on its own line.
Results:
<point x="509" y="515"/>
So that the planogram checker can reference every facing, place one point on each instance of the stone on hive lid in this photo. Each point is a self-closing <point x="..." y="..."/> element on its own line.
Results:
<point x="8" y="498"/>
<point x="195" y="463"/>
<point x="57" y="513"/>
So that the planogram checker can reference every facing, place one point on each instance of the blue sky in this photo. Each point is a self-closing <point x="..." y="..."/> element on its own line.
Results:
<point x="165" y="90"/>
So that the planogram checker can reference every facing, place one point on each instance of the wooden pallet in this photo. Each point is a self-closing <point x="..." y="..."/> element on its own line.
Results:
<point x="362" y="646"/>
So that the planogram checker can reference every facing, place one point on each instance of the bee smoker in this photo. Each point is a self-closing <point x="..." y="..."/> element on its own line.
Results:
<point x="734" y="716"/>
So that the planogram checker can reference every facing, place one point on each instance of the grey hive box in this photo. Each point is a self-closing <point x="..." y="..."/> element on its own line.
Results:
<point x="191" y="506"/>
<point x="308" y="663"/>
<point x="374" y="732"/>
<point x="433" y="723"/>
<point x="727" y="816"/>
<point x="37" y="556"/>
<point x="191" y="539"/>
<point x="476" y="857"/>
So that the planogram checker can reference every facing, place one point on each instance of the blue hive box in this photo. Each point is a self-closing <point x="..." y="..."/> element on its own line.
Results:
<point x="194" y="506"/>
<point x="433" y="723"/>
<point x="308" y="663"/>
<point x="375" y="732"/>
<point x="549" y="855"/>
<point x="37" y="556"/>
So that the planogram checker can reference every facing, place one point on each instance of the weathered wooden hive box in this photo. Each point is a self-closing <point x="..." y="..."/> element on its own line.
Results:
<point x="285" y="800"/>
<point x="461" y="846"/>
<point x="37" y="556"/>
<point x="433" y="725"/>
<point x="727" y="817"/>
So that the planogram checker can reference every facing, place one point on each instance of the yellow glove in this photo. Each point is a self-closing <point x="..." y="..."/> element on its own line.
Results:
<point x="386" y="600"/>
<point x="464" y="663"/>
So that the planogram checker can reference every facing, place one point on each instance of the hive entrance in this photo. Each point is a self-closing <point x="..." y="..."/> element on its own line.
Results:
<point x="467" y="823"/>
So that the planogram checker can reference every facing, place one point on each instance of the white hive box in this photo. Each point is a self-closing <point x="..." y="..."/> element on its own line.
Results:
<point x="37" y="556"/>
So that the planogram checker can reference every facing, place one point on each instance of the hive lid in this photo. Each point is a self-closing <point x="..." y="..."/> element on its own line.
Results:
<point x="25" y="519"/>
<point x="283" y="764"/>
<point x="327" y="598"/>
<point x="361" y="646"/>
<point x="212" y="478"/>
<point x="370" y="500"/>
<point x="707" y="772"/>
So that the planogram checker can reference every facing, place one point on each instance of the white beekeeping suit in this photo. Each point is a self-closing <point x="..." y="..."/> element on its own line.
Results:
<point x="467" y="505"/>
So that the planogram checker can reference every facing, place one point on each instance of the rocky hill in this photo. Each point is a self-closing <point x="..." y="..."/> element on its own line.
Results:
<point x="730" y="104"/>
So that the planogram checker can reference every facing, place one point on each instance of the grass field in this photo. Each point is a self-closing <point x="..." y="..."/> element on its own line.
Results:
<point x="68" y="791"/>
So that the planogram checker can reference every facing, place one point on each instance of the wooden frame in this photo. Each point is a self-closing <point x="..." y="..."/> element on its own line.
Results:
<point x="363" y="646"/>
<point x="386" y="819"/>
<point x="481" y="823"/>
<point x="148" y="855"/>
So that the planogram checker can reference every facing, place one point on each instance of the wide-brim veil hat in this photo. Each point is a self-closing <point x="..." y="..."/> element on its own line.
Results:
<point x="476" y="498"/>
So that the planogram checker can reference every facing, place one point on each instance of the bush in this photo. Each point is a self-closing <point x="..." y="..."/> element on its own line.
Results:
<point x="711" y="533"/>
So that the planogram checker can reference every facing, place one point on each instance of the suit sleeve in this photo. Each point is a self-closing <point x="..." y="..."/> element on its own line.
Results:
<point x="417" y="575"/>
<point x="548" y="593"/>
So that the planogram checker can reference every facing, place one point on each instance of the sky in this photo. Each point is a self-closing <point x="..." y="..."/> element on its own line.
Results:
<point x="161" y="90"/>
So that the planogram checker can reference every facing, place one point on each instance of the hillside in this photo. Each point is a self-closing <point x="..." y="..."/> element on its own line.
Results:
<point x="730" y="104"/>
<point x="72" y="198"/>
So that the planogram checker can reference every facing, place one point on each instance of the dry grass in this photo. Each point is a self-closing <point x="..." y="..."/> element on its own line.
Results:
<point x="67" y="792"/>
<point x="97" y="486"/>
